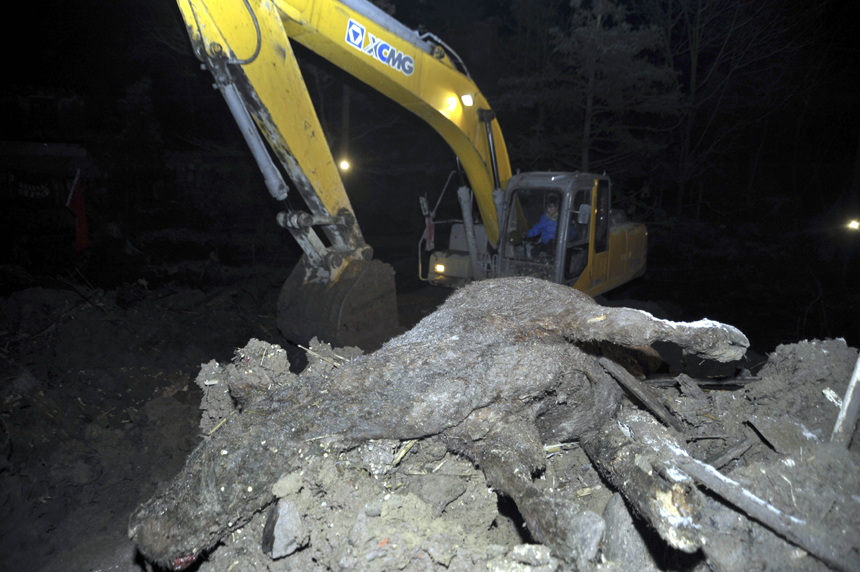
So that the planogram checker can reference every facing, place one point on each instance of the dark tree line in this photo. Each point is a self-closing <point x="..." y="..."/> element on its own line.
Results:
<point x="686" y="103"/>
<point x="659" y="93"/>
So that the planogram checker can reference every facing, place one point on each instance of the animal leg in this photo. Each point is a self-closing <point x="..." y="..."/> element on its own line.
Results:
<point x="511" y="453"/>
<point x="705" y="338"/>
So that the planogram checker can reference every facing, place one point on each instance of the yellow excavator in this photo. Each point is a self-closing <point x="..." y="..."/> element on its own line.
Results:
<point x="338" y="292"/>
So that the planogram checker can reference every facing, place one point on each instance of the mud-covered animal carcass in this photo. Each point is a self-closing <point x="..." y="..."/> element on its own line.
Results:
<point x="501" y="368"/>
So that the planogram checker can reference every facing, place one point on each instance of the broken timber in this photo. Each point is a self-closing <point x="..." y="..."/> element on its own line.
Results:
<point x="658" y="478"/>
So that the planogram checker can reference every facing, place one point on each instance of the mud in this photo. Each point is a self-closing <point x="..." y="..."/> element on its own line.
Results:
<point x="100" y="410"/>
<point x="493" y="371"/>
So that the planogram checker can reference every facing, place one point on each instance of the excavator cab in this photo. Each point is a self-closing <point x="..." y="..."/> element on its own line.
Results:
<point x="590" y="248"/>
<point x="556" y="226"/>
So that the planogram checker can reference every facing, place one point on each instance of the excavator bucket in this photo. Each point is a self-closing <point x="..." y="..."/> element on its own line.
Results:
<point x="358" y="309"/>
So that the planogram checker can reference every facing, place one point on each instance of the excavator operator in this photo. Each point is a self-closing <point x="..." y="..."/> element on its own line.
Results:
<point x="547" y="225"/>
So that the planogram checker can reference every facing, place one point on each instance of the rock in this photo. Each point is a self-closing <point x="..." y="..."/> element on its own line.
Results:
<point x="442" y="548"/>
<point x="623" y="545"/>
<point x="532" y="554"/>
<point x="287" y="485"/>
<point x="587" y="528"/>
<point x="284" y="532"/>
<point x="437" y="490"/>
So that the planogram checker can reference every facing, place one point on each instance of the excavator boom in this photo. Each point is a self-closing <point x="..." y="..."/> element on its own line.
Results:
<point x="418" y="74"/>
<point x="337" y="291"/>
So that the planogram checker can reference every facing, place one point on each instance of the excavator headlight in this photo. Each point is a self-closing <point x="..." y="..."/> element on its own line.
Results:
<point x="854" y="225"/>
<point x="344" y="165"/>
<point x="439" y="268"/>
<point x="467" y="100"/>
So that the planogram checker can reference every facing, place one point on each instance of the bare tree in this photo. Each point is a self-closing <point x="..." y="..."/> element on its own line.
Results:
<point x="601" y="99"/>
<point x="527" y="52"/>
<point x="731" y="58"/>
<point x="623" y="99"/>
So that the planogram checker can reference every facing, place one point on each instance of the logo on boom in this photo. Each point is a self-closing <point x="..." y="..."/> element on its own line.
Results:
<point x="358" y="37"/>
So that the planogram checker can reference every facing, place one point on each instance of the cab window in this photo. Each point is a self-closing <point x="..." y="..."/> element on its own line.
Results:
<point x="533" y="223"/>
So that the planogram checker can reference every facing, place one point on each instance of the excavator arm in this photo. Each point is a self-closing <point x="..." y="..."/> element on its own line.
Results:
<point x="337" y="291"/>
<point x="366" y="42"/>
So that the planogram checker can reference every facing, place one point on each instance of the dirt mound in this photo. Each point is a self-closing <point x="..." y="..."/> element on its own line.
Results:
<point x="98" y="410"/>
<point x="389" y="504"/>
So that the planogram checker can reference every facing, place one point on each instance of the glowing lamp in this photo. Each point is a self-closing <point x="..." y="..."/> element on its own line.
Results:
<point x="344" y="165"/>
<point x="439" y="268"/>
<point x="467" y="100"/>
<point x="854" y="225"/>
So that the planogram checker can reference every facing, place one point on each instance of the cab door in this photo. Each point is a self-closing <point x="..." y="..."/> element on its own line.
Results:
<point x="578" y="238"/>
<point x="599" y="266"/>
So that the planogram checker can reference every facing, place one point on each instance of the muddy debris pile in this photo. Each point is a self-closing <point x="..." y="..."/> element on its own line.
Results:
<point x="494" y="435"/>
